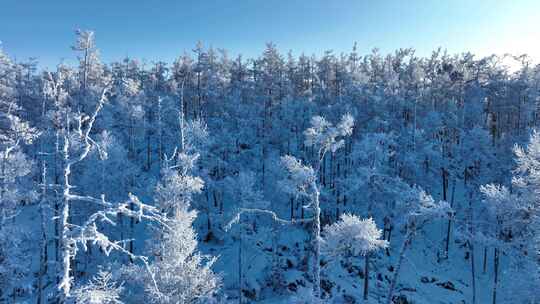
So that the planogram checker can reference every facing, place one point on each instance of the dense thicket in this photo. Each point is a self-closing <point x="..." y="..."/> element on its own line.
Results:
<point x="202" y="141"/>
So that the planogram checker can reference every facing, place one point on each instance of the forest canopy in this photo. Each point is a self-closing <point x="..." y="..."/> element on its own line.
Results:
<point x="341" y="178"/>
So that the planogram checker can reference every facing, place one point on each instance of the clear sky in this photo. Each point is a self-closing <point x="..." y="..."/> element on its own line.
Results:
<point x="162" y="29"/>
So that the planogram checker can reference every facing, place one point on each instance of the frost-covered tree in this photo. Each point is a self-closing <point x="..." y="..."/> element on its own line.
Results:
<point x="76" y="146"/>
<point x="177" y="187"/>
<point x="14" y="241"/>
<point x="182" y="274"/>
<point x="102" y="289"/>
<point x="16" y="188"/>
<point x="56" y="104"/>
<point x="444" y="122"/>
<point x="498" y="226"/>
<point x="375" y="178"/>
<point x="253" y="203"/>
<point x="16" y="246"/>
<point x="15" y="165"/>
<point x="526" y="182"/>
<point x="353" y="236"/>
<point x="90" y="67"/>
<point x="243" y="188"/>
<point x="417" y="208"/>
<point x="14" y="132"/>
<point x="324" y="137"/>
<point x="510" y="222"/>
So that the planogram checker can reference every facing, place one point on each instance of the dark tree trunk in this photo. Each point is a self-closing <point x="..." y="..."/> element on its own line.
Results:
<point x="485" y="260"/>
<point x="496" y="276"/>
<point x="444" y="182"/>
<point x="366" y="276"/>
<point x="292" y="208"/>
<point x="449" y="228"/>
<point x="473" y="274"/>
<point x="406" y="243"/>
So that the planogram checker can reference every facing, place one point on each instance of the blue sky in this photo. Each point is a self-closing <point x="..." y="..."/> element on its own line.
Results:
<point x="161" y="30"/>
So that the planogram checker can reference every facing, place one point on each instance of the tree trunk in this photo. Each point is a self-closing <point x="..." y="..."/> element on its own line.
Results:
<point x="485" y="260"/>
<point x="240" y="268"/>
<point x="3" y="214"/>
<point x="276" y="275"/>
<point x="473" y="274"/>
<point x="56" y="204"/>
<point x="3" y="176"/>
<point x="65" y="246"/>
<point x="404" y="246"/>
<point x="449" y="228"/>
<point x="44" y="259"/>
<point x="292" y="207"/>
<point x="160" y="134"/>
<point x="148" y="151"/>
<point x="390" y="228"/>
<point x="131" y="155"/>
<point x="315" y="245"/>
<point x="366" y="276"/>
<point x="496" y="276"/>
<point x="444" y="182"/>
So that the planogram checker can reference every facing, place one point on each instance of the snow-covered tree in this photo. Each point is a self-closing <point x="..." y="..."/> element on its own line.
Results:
<point x="302" y="179"/>
<point x="102" y="289"/>
<point x="176" y="189"/>
<point x="90" y="67"/>
<point x="14" y="132"/>
<point x="375" y="176"/>
<point x="243" y="189"/>
<point x="325" y="137"/>
<point x="443" y="122"/>
<point x="353" y="236"/>
<point x="77" y="144"/>
<point x="14" y="167"/>
<point x="416" y="208"/>
<point x="16" y="187"/>
<point x="16" y="246"/>
<point x="510" y="220"/>
<point x="14" y="240"/>
<point x="182" y="274"/>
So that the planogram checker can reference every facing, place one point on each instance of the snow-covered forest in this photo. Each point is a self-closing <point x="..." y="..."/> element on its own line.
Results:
<point x="356" y="177"/>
